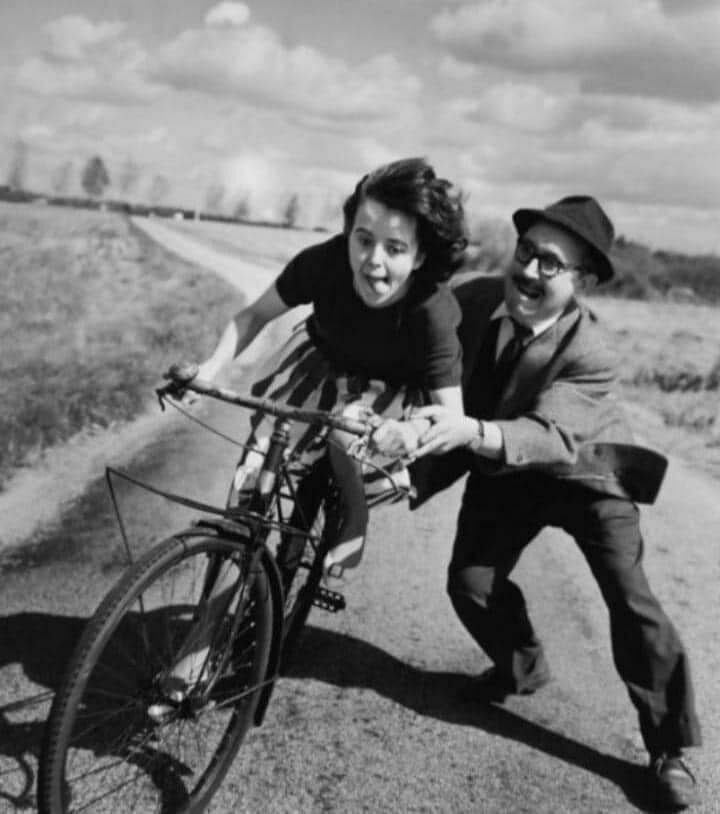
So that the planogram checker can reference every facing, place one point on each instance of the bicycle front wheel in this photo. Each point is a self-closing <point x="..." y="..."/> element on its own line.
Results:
<point x="104" y="750"/>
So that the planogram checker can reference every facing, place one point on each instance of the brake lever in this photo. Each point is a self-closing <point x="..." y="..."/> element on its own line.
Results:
<point x="163" y="392"/>
<point x="179" y="375"/>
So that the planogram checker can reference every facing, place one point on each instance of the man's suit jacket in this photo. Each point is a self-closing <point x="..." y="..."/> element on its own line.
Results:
<point x="556" y="411"/>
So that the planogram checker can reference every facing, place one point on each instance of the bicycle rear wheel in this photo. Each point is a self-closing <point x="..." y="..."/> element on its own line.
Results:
<point x="102" y="750"/>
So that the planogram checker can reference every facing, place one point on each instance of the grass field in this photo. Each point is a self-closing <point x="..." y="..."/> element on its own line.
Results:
<point x="91" y="313"/>
<point x="669" y="371"/>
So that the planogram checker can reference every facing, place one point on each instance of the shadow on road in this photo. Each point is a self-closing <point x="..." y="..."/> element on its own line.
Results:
<point x="39" y="644"/>
<point x="435" y="694"/>
<point x="111" y="727"/>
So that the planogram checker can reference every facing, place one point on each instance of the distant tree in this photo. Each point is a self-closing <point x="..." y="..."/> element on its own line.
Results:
<point x="18" y="165"/>
<point x="291" y="211"/>
<point x="491" y="244"/>
<point x="242" y="208"/>
<point x="330" y="215"/>
<point x="129" y="174"/>
<point x="60" y="179"/>
<point x="214" y="197"/>
<point x="159" y="188"/>
<point x="95" y="177"/>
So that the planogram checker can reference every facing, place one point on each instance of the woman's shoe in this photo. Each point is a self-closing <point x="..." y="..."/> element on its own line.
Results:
<point x="344" y="555"/>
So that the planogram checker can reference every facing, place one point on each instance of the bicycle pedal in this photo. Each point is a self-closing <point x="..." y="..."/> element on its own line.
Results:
<point x="328" y="600"/>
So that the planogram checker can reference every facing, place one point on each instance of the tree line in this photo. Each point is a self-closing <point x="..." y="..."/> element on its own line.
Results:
<point x="94" y="178"/>
<point x="641" y="272"/>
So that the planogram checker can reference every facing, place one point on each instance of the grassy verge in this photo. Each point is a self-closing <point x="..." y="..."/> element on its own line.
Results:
<point x="91" y="313"/>
<point x="669" y="372"/>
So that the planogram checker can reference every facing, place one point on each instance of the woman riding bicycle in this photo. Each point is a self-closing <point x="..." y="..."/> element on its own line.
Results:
<point x="382" y="333"/>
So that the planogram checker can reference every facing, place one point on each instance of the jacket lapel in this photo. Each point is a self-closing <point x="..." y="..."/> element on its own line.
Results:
<point x="526" y="381"/>
<point x="478" y="299"/>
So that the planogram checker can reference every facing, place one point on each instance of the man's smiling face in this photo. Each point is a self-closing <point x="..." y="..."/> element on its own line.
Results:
<point x="533" y="298"/>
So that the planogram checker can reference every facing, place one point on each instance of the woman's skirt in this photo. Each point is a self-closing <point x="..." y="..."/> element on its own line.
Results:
<point x="300" y="375"/>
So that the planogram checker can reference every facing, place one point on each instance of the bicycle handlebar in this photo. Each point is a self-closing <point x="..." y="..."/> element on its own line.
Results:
<point x="182" y="377"/>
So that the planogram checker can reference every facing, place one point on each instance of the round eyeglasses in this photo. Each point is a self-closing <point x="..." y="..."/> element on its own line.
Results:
<point x="549" y="264"/>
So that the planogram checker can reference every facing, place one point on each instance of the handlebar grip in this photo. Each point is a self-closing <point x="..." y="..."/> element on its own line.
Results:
<point x="182" y="373"/>
<point x="352" y="425"/>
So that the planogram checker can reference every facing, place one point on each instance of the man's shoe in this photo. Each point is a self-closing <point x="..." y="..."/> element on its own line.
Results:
<point x="675" y="786"/>
<point x="493" y="685"/>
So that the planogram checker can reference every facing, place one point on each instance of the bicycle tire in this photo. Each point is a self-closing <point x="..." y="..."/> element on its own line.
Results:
<point x="101" y="750"/>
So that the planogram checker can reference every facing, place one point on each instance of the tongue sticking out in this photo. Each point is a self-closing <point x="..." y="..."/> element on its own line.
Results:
<point x="379" y="285"/>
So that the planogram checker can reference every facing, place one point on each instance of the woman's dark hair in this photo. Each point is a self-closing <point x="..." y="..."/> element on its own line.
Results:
<point x="410" y="186"/>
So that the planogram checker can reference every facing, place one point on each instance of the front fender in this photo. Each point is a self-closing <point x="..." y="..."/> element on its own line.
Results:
<point x="277" y="598"/>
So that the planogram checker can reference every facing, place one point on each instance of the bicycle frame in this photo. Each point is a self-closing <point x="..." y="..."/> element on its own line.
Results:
<point x="253" y="517"/>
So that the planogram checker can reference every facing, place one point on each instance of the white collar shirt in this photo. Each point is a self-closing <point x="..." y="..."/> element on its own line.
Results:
<point x="506" y="328"/>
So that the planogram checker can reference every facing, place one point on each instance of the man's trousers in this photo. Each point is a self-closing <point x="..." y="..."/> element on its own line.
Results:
<point x="499" y="516"/>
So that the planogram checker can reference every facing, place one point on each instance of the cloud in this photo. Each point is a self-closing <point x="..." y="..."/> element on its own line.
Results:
<point x="521" y="106"/>
<point x="70" y="37"/>
<point x="87" y="60"/>
<point x="685" y="6"/>
<point x="526" y="107"/>
<point x="154" y="135"/>
<point x="620" y="46"/>
<point x="457" y="69"/>
<point x="516" y="139"/>
<point x="640" y="166"/>
<point x="38" y="132"/>
<point x="228" y="13"/>
<point x="253" y="65"/>
<point x="83" y="80"/>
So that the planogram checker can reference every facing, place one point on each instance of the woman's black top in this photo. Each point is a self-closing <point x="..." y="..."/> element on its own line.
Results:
<point x="413" y="341"/>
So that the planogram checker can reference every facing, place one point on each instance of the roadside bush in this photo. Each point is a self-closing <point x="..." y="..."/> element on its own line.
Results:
<point x="671" y="380"/>
<point x="641" y="273"/>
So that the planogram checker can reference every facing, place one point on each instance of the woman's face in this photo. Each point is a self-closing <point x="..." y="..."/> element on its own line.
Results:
<point x="384" y="252"/>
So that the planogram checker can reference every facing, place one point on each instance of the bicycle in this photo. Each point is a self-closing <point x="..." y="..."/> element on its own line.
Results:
<point x="105" y="748"/>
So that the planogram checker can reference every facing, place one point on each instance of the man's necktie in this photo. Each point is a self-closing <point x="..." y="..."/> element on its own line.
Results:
<point x="510" y="354"/>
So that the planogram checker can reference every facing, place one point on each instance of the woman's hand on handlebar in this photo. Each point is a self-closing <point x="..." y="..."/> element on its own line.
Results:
<point x="180" y="374"/>
<point x="394" y="438"/>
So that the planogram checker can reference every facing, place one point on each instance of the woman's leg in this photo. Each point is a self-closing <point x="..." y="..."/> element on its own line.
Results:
<point x="190" y="664"/>
<point x="221" y="583"/>
<point x="347" y="552"/>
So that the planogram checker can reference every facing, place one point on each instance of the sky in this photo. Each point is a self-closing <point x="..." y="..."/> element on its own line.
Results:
<point x="518" y="102"/>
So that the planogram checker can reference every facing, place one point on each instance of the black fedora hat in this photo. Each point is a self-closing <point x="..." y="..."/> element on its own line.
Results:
<point x="583" y="216"/>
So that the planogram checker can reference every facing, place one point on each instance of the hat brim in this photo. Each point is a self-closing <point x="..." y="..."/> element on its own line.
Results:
<point x="525" y="218"/>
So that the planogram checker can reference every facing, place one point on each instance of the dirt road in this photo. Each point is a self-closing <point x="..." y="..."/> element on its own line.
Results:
<point x="369" y="721"/>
